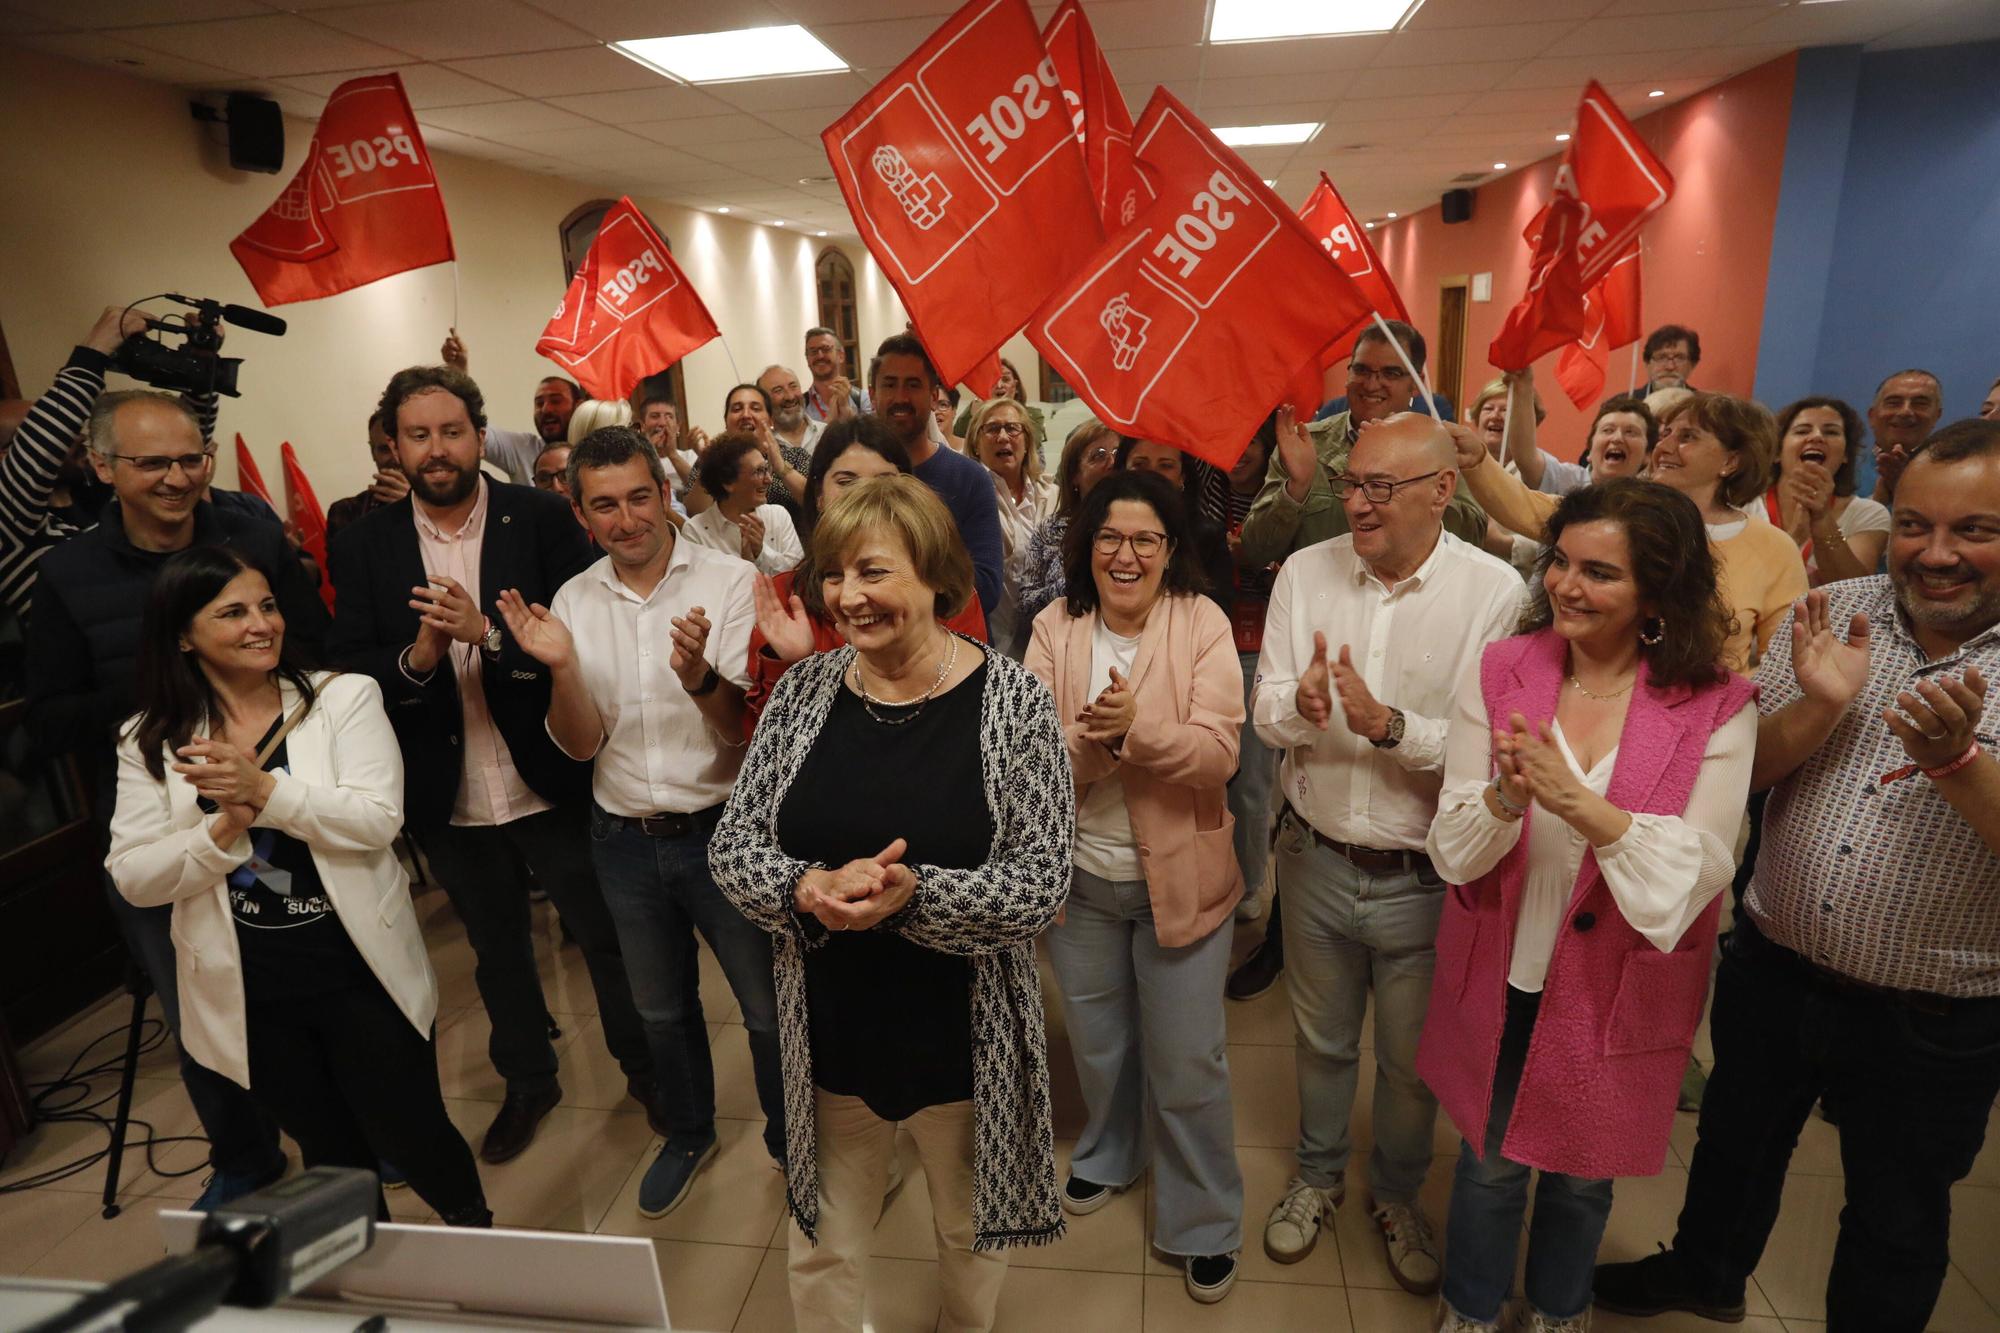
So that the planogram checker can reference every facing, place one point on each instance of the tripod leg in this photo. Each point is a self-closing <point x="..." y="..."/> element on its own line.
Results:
<point x="141" y="986"/>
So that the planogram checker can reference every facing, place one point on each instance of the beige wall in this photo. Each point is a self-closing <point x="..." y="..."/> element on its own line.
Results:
<point x="115" y="193"/>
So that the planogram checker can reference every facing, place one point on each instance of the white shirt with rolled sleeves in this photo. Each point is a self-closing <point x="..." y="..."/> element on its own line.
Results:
<point x="781" y="551"/>
<point x="658" y="755"/>
<point x="1411" y="645"/>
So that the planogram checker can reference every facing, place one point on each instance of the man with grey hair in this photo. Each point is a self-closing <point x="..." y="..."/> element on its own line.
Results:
<point x="1367" y="637"/>
<point x="82" y="654"/>
<point x="1905" y="410"/>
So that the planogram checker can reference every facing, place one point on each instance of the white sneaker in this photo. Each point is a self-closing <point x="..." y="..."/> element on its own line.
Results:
<point x="1537" y="1322"/>
<point x="1294" y="1225"/>
<point x="1451" y="1321"/>
<point x="1250" y="907"/>
<point x="1411" y="1248"/>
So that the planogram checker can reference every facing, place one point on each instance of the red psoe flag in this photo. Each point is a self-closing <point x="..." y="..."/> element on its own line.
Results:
<point x="308" y="520"/>
<point x="1097" y="111"/>
<point x="364" y="204"/>
<point x="630" y="312"/>
<point x="248" y="479"/>
<point x="1608" y="183"/>
<point x="1611" y="318"/>
<point x="1346" y="243"/>
<point x="965" y="181"/>
<point x="1187" y="326"/>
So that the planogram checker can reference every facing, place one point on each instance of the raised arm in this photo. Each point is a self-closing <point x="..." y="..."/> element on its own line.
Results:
<point x="1517" y="439"/>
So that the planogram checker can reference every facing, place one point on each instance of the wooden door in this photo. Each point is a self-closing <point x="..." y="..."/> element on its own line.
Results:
<point x="1448" y="359"/>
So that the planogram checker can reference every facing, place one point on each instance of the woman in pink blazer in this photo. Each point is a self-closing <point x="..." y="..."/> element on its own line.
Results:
<point x="1146" y="678"/>
<point x="1595" y="776"/>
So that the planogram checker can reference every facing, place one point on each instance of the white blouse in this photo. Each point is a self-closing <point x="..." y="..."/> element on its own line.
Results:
<point x="1661" y="873"/>
<point x="781" y="551"/>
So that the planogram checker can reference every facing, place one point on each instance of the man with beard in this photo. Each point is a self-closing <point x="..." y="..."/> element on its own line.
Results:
<point x="388" y="486"/>
<point x="82" y="659"/>
<point x="796" y="432"/>
<point x="1905" y="411"/>
<point x="832" y="396"/>
<point x="903" y="383"/>
<point x="515" y="451"/>
<point x="486" y="791"/>
<point x="1865" y="965"/>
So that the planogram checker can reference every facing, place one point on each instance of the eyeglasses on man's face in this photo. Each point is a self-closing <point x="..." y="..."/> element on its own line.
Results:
<point x="1389" y="375"/>
<point x="158" y="465"/>
<point x="1378" y="491"/>
<point x="1145" y="545"/>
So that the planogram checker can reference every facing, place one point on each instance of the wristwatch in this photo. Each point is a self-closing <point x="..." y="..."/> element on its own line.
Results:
<point x="1394" y="735"/>
<point x="710" y="679"/>
<point x="489" y="642"/>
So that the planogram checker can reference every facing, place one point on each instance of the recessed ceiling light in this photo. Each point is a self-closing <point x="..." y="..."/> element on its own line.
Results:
<point x="1368" y="226"/>
<point x="1499" y="166"/>
<point x="1562" y="138"/>
<point x="1264" y="20"/>
<point x="779" y="223"/>
<point x="819" y="233"/>
<point x="1252" y="136"/>
<point x="1268" y="181"/>
<point x="723" y="209"/>
<point x="1657" y="92"/>
<point x="1392" y="215"/>
<point x="747" y="53"/>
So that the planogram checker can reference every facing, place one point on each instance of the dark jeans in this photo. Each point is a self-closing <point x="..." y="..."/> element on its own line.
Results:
<point x="1489" y="1194"/>
<point x="354" y="1084"/>
<point x="1915" y="1078"/>
<point x="242" y="1136"/>
<point x="481" y="871"/>
<point x="661" y="892"/>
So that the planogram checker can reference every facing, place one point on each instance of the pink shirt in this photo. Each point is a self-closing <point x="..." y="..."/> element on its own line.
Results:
<point x="491" y="790"/>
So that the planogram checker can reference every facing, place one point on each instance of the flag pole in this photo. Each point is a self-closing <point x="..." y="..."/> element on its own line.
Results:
<point x="734" y="373"/>
<point x="1430" y="399"/>
<point x="454" y="291"/>
<point x="1632" y="381"/>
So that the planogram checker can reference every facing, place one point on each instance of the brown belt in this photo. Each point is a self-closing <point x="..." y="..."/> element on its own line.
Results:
<point x="1373" y="860"/>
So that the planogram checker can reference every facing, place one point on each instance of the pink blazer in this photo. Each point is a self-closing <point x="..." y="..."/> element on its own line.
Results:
<point x="1176" y="761"/>
<point x="1617" y="1017"/>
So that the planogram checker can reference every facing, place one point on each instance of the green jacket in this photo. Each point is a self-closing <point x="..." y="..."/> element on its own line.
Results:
<point x="1276" y="526"/>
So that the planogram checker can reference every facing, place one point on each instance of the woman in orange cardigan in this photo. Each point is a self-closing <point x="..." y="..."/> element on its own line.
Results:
<point x="1145" y="675"/>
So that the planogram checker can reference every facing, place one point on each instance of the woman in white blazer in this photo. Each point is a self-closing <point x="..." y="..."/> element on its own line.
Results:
<point x="262" y="801"/>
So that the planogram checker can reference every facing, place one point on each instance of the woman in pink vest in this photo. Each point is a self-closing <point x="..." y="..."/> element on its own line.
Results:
<point x="1594" y="782"/>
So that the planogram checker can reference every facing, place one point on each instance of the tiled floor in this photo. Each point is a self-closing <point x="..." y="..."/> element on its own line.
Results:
<point x="722" y="1253"/>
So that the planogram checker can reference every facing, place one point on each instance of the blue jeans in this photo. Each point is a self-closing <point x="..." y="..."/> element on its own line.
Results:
<point x="660" y="892"/>
<point x="1489" y="1194"/>
<point x="242" y="1134"/>
<point x="1250" y="793"/>
<point x="1346" y="930"/>
<point x="1146" y="1028"/>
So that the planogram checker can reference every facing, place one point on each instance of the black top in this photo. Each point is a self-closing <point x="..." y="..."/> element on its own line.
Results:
<point x="891" y="1021"/>
<point x="292" y="942"/>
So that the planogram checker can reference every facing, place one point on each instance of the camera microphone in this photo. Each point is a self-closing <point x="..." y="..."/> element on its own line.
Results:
<point x="253" y="319"/>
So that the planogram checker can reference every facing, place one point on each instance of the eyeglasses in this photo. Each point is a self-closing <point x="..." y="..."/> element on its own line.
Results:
<point x="1667" y="359"/>
<point x="1378" y="492"/>
<point x="1390" y="375"/>
<point x="156" y="465"/>
<point x="1145" y="545"/>
<point x="547" y="480"/>
<point x="1012" y="430"/>
<point x="1101" y="454"/>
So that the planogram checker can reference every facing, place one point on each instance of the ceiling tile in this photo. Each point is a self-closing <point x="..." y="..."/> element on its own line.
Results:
<point x="1214" y="95"/>
<point x="503" y="120"/>
<point x="1571" y="73"/>
<point x="427" y="86"/>
<point x="758" y="95"/>
<point x="1303" y="56"/>
<point x="595" y="142"/>
<point x="1138" y="23"/>
<point x="1437" y="14"/>
<point x="883" y="42"/>
<point x="122" y="13"/>
<point x="1462" y="46"/>
<point x="804" y="122"/>
<point x="100" y="49"/>
<point x="1155" y="64"/>
<point x="1638" y="8"/>
<point x="662" y="101"/>
<point x="815" y="12"/>
<point x="273" y="46"/>
<point x="1403" y="80"/>
<point x="698" y="132"/>
<point x="583" y="69"/>
<point x="622" y="20"/>
<point x="1651" y="32"/>
<point x="1952" y="23"/>
<point x="456" y="29"/>
<point x="1721" y="62"/>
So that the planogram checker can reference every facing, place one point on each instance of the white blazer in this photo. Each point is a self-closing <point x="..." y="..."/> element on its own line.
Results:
<point x="343" y="798"/>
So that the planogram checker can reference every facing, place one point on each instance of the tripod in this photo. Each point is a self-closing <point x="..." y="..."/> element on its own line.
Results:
<point x="140" y="987"/>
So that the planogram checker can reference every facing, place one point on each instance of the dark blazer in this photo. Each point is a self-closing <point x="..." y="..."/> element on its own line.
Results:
<point x="532" y="542"/>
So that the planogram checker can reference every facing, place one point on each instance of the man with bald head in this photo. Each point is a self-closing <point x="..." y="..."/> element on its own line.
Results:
<point x="1905" y="410"/>
<point x="1367" y="637"/>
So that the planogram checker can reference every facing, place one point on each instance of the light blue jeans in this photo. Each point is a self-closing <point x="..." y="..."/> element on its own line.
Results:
<point x="1146" y="1029"/>
<point x="1250" y="793"/>
<point x="1347" y="930"/>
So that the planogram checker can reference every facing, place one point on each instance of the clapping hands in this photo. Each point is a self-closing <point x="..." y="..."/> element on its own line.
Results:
<point x="860" y="894"/>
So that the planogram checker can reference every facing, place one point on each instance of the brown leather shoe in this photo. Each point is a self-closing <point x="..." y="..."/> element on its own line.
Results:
<point x="514" y="1128"/>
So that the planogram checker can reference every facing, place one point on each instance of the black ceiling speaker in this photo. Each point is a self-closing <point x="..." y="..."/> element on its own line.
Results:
<point x="1456" y="205"/>
<point x="256" y="133"/>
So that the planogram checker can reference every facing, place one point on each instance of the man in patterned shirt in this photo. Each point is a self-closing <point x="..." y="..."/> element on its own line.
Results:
<point x="1867" y="963"/>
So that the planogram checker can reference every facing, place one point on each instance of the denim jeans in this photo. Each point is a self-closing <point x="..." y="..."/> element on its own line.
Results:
<point x="1489" y="1194"/>
<point x="660" y="893"/>
<point x="1914" y="1077"/>
<point x="1250" y="793"/>
<point x="1146" y="1028"/>
<point x="1347" y="930"/>
<point x="242" y="1135"/>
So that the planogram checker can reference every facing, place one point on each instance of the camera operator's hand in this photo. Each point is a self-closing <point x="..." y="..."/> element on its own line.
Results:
<point x="114" y="326"/>
<point x="389" y="486"/>
<point x="453" y="351"/>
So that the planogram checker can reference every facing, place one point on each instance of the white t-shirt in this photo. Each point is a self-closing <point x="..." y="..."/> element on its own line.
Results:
<point x="1105" y="844"/>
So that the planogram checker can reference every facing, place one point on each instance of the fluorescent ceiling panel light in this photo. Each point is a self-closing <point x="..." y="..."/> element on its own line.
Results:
<point x="1265" y="20"/>
<point x="747" y="53"/>
<point x="1254" y="136"/>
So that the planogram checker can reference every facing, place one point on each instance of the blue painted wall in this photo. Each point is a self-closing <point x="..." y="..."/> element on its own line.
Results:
<point x="1887" y="245"/>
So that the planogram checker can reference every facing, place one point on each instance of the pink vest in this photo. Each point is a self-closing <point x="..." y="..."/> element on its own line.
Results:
<point x="1617" y="1015"/>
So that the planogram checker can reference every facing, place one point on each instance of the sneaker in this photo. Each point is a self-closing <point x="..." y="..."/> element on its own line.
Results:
<point x="1210" y="1276"/>
<point x="1256" y="974"/>
<point x="1293" y="1227"/>
<point x="666" y="1182"/>
<point x="1250" y="908"/>
<point x="226" y="1187"/>
<point x="1411" y="1247"/>
<point x="1658" y="1284"/>
<point x="1535" y="1321"/>
<point x="1081" y="1198"/>
<point x="1451" y="1321"/>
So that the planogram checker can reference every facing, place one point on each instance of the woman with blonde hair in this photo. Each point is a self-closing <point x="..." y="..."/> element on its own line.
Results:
<point x="1001" y="436"/>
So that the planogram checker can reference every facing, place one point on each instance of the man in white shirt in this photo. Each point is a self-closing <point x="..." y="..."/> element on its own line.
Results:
<point x="1367" y="636"/>
<point x="795" y="430"/>
<point x="649" y="654"/>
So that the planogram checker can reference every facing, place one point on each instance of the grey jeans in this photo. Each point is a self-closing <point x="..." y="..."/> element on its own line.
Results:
<point x="1347" y="931"/>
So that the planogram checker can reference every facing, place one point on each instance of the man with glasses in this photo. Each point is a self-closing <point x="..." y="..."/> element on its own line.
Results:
<point x="1367" y="637"/>
<point x="552" y="470"/>
<point x="82" y="650"/>
<point x="1672" y="352"/>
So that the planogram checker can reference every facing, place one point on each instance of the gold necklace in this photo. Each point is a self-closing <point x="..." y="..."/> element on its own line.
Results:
<point x="1579" y="687"/>
<point x="915" y="705"/>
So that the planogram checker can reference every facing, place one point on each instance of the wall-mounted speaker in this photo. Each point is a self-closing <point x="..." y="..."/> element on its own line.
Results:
<point x="256" y="133"/>
<point x="1456" y="205"/>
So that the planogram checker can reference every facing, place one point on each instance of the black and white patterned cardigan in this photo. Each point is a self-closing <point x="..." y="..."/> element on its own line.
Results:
<point x="991" y="914"/>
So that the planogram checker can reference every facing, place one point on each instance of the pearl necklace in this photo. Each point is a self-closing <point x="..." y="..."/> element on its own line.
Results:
<point x="916" y="705"/>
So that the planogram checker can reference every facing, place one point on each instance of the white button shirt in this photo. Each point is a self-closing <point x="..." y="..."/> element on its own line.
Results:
<point x="781" y="551"/>
<point x="1411" y="644"/>
<point x="658" y="753"/>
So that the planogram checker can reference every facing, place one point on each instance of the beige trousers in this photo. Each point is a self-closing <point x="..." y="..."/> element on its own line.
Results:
<point x="854" y="1149"/>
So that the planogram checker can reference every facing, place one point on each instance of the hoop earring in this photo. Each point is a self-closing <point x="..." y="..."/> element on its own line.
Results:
<point x="1659" y="631"/>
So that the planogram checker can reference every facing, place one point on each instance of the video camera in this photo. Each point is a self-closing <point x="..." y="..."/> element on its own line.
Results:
<point x="194" y="366"/>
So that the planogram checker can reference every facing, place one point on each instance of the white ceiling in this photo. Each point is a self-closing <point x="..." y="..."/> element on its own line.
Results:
<point x="1464" y="84"/>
